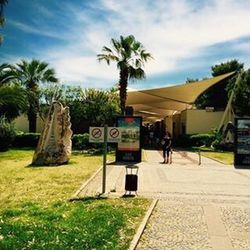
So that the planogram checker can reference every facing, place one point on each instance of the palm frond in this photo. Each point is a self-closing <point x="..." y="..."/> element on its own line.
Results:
<point x="136" y="73"/>
<point x="107" y="49"/>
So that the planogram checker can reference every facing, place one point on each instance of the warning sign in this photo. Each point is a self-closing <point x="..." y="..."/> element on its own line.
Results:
<point x="96" y="134"/>
<point x="114" y="134"/>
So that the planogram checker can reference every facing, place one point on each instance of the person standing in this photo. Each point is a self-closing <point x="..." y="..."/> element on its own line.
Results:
<point x="166" y="148"/>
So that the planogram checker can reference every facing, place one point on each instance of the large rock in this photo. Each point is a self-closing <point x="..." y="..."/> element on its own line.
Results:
<point x="54" y="146"/>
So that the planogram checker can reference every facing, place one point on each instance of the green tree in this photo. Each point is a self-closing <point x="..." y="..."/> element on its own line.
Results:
<point x="6" y="74"/>
<point x="13" y="101"/>
<point x="217" y="95"/>
<point x="130" y="57"/>
<point x="90" y="107"/>
<point x="227" y="67"/>
<point x="12" y="96"/>
<point x="241" y="98"/>
<point x="190" y="80"/>
<point x="30" y="75"/>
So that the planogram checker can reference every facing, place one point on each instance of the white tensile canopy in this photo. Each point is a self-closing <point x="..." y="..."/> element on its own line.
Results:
<point x="154" y="104"/>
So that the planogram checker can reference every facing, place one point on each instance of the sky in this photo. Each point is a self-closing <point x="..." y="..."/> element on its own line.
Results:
<point x="185" y="37"/>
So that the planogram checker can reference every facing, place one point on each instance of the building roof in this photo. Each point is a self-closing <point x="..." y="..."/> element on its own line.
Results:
<point x="157" y="103"/>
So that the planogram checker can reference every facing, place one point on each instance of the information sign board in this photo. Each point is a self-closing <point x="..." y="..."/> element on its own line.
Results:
<point x="242" y="143"/>
<point x="129" y="148"/>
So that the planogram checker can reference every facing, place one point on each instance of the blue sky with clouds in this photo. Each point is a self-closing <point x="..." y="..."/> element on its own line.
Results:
<point x="185" y="37"/>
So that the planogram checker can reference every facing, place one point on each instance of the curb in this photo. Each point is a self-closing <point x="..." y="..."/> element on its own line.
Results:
<point x="75" y="196"/>
<point x="142" y="226"/>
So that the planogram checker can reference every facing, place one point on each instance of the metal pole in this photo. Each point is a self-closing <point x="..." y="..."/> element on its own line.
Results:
<point x="229" y="104"/>
<point x="199" y="152"/>
<point x="104" y="158"/>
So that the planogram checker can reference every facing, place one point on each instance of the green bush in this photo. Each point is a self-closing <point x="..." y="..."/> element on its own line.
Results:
<point x="7" y="134"/>
<point x="183" y="141"/>
<point x="194" y="140"/>
<point x="80" y="141"/>
<point x="24" y="140"/>
<point x="202" y="139"/>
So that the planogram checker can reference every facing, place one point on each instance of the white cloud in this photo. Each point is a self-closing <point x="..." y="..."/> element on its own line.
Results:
<point x="171" y="30"/>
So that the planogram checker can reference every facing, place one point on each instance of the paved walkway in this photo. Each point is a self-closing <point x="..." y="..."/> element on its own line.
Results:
<point x="203" y="206"/>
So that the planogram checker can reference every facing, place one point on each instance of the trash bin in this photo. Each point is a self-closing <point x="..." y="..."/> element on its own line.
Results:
<point x="131" y="180"/>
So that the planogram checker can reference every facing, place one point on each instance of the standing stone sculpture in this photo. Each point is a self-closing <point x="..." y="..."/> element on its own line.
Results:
<point x="54" y="146"/>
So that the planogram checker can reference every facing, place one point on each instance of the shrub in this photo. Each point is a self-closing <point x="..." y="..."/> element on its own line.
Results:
<point x="183" y="141"/>
<point x="80" y="141"/>
<point x="194" y="140"/>
<point x="7" y="134"/>
<point x="26" y="140"/>
<point x="202" y="139"/>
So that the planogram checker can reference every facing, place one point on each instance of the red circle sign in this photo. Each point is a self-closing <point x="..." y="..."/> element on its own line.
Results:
<point x="114" y="132"/>
<point x="96" y="133"/>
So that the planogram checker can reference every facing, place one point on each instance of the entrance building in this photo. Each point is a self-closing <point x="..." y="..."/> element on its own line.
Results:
<point x="175" y="106"/>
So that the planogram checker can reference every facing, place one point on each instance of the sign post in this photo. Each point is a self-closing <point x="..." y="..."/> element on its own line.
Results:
<point x="104" y="135"/>
<point x="104" y="158"/>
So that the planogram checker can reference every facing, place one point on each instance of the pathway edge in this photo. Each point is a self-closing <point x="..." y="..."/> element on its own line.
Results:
<point x="87" y="182"/>
<point x="142" y="226"/>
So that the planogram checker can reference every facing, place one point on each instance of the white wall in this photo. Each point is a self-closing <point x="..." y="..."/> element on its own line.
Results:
<point x="21" y="123"/>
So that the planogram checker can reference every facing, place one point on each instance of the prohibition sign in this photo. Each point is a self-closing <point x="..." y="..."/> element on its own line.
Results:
<point x="96" y="133"/>
<point x="114" y="132"/>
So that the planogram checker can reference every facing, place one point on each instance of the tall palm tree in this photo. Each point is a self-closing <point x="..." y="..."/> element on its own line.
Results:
<point x="30" y="75"/>
<point x="130" y="57"/>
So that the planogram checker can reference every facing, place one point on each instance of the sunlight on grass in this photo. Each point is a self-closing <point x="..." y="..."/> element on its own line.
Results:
<point x="42" y="184"/>
<point x="35" y="213"/>
<point x="223" y="156"/>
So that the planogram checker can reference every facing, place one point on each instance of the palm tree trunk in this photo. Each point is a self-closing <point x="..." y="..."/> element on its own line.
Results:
<point x="32" y="120"/>
<point x="123" y="83"/>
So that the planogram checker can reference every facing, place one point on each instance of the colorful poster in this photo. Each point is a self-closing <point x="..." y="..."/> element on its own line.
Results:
<point x="129" y="148"/>
<point x="242" y="142"/>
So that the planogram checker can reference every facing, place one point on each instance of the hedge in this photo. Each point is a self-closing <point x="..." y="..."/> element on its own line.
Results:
<point x="24" y="140"/>
<point x="190" y="140"/>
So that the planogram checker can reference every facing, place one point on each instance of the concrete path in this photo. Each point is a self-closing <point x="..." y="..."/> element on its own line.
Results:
<point x="199" y="207"/>
<point x="203" y="206"/>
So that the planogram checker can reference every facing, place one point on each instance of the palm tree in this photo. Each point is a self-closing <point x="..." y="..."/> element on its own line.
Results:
<point x="130" y="57"/>
<point x="30" y="75"/>
<point x="6" y="75"/>
<point x="13" y="99"/>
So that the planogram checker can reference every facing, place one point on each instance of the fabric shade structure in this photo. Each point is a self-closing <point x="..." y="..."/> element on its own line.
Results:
<point x="154" y="104"/>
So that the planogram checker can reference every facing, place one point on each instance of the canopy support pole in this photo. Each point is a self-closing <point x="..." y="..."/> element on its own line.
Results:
<point x="229" y="111"/>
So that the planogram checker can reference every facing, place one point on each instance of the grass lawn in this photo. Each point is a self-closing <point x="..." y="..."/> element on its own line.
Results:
<point x="35" y="212"/>
<point x="224" y="157"/>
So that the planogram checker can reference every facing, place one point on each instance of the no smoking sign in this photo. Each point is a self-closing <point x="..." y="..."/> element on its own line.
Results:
<point x="96" y="134"/>
<point x="114" y="134"/>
